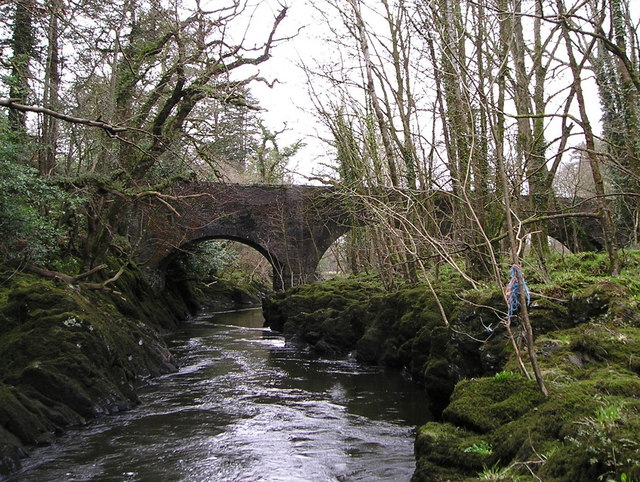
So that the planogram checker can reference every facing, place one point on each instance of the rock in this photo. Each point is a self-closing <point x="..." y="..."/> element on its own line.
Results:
<point x="67" y="355"/>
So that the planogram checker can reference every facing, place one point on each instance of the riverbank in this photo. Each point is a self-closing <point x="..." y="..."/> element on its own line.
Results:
<point x="71" y="352"/>
<point x="493" y="422"/>
<point x="240" y="385"/>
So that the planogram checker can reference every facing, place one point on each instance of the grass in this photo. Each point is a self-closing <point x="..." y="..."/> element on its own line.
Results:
<point x="505" y="374"/>
<point x="608" y="415"/>
<point x="496" y="473"/>
<point x="481" y="448"/>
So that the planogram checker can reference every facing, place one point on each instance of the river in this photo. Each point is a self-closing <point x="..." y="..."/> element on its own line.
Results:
<point x="247" y="406"/>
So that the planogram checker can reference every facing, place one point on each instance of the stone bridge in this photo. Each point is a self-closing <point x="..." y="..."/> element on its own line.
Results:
<point x="292" y="226"/>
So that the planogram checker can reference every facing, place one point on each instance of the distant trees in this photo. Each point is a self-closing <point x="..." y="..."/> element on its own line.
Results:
<point x="485" y="101"/>
<point x="268" y="162"/>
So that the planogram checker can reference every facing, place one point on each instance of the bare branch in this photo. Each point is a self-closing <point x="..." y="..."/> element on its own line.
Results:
<point x="110" y="129"/>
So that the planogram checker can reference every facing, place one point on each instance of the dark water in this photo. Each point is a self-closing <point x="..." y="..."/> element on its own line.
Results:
<point x="246" y="406"/>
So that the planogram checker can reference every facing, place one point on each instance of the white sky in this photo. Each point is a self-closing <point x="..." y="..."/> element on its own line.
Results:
<point x="288" y="101"/>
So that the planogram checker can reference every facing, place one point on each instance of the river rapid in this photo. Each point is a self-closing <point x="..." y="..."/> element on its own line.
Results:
<point x="246" y="405"/>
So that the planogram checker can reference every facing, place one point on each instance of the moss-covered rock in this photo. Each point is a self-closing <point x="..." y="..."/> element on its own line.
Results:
<point x="69" y="353"/>
<point x="586" y="429"/>
<point x="586" y="327"/>
<point x="484" y="404"/>
<point x="445" y="452"/>
<point x="403" y="329"/>
<point x="332" y="315"/>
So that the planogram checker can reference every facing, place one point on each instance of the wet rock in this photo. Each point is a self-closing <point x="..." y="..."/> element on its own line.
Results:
<point x="67" y="355"/>
<point x="11" y="453"/>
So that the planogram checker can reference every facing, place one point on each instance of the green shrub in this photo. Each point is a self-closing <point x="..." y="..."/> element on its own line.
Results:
<point x="29" y="210"/>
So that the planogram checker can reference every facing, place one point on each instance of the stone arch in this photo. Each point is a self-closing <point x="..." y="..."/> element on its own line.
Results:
<point x="578" y="235"/>
<point x="276" y="265"/>
<point x="292" y="226"/>
<point x="295" y="225"/>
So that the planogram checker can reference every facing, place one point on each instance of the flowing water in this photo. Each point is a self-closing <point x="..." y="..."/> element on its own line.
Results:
<point x="248" y="406"/>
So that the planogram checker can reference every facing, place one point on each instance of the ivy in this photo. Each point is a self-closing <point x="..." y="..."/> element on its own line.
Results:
<point x="30" y="205"/>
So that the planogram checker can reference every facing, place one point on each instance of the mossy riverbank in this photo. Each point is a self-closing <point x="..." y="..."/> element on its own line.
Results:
<point x="69" y="353"/>
<point x="493" y="423"/>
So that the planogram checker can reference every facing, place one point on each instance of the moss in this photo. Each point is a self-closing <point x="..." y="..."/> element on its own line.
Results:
<point x="536" y="430"/>
<point x="439" y="382"/>
<point x="334" y="311"/>
<point x="560" y="434"/>
<point x="21" y="417"/>
<point x="485" y="404"/>
<point x="602" y="441"/>
<point x="590" y="346"/>
<point x="443" y="446"/>
<point x="548" y="315"/>
<point x="401" y="329"/>
<point x="587" y="328"/>
<point x="67" y="354"/>
<point x="617" y="383"/>
<point x="59" y="387"/>
<point x="593" y="300"/>
<point x="27" y="300"/>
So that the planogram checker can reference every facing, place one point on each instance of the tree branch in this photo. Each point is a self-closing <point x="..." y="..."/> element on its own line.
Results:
<point x="65" y="278"/>
<point x="110" y="129"/>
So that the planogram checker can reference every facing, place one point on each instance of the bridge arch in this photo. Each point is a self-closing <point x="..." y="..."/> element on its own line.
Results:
<point x="292" y="226"/>
<point x="277" y="267"/>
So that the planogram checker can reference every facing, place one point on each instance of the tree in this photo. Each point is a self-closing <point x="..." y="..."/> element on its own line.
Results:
<point x="22" y="45"/>
<point x="51" y="91"/>
<point x="269" y="161"/>
<point x="148" y="75"/>
<point x="615" y="67"/>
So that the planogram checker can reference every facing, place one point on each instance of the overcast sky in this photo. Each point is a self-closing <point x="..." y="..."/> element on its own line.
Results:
<point x="288" y="101"/>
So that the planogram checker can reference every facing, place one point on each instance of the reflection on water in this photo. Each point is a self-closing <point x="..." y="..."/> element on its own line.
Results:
<point x="246" y="406"/>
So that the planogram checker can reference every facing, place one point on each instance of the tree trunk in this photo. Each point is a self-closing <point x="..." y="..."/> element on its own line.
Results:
<point x="22" y="44"/>
<point x="531" y="135"/>
<point x="383" y="124"/>
<point x="608" y="226"/>
<point x="49" y="140"/>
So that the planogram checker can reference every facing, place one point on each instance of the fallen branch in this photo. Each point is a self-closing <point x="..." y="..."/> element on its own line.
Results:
<point x="103" y="285"/>
<point x="65" y="278"/>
